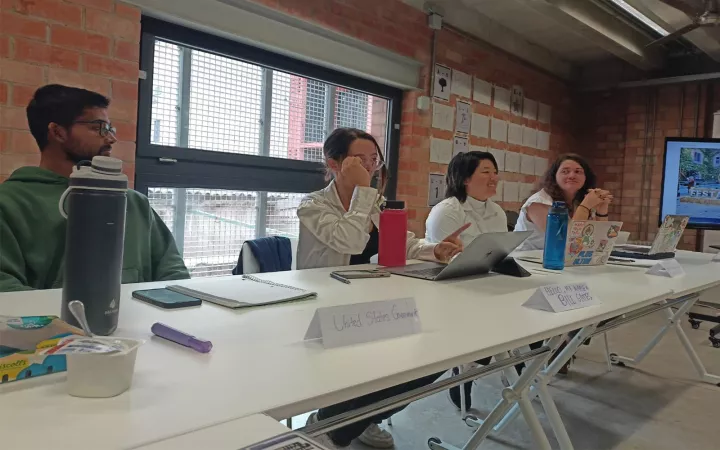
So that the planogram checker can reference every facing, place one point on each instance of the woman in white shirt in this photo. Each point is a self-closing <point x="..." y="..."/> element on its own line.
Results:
<point x="339" y="227"/>
<point x="471" y="180"/>
<point x="571" y="180"/>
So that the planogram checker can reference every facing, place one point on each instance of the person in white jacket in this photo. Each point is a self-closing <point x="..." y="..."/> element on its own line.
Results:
<point x="339" y="227"/>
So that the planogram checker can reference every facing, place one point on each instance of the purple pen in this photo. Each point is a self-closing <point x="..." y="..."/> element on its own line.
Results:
<point x="177" y="336"/>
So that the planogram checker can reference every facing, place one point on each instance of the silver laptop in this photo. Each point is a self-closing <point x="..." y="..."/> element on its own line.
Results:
<point x="484" y="253"/>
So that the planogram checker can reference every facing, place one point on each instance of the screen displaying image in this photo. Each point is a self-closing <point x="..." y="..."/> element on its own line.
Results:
<point x="691" y="185"/>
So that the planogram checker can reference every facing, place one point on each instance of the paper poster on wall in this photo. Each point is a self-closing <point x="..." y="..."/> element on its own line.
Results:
<point x="511" y="191"/>
<point x="460" y="145"/>
<point x="498" y="197"/>
<point x="443" y="116"/>
<point x="525" y="191"/>
<point x="544" y="113"/>
<point x="480" y="126"/>
<point x="436" y="189"/>
<point x="441" y="87"/>
<point x="461" y="84"/>
<point x="463" y="117"/>
<point x="541" y="165"/>
<point x="515" y="134"/>
<point x="530" y="109"/>
<point x="498" y="130"/>
<point x="543" y="140"/>
<point x="529" y="137"/>
<point x="501" y="98"/>
<point x="512" y="162"/>
<point x="516" y="100"/>
<point x="499" y="158"/>
<point x="477" y="148"/>
<point x="440" y="150"/>
<point x="527" y="164"/>
<point x="482" y="91"/>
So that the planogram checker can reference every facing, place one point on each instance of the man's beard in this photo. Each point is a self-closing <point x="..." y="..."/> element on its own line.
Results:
<point x="77" y="158"/>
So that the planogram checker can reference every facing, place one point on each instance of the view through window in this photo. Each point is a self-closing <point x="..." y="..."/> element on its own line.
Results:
<point x="219" y="104"/>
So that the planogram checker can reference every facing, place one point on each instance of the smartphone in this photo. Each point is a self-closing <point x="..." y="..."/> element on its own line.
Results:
<point x="165" y="298"/>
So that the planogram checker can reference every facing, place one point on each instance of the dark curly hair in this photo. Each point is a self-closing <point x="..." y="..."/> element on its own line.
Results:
<point x="550" y="185"/>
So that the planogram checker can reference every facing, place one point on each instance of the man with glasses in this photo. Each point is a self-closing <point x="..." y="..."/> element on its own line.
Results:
<point x="71" y="125"/>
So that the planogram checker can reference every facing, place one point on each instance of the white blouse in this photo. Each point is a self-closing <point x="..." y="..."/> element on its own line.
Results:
<point x="536" y="241"/>
<point x="450" y="214"/>
<point x="329" y="235"/>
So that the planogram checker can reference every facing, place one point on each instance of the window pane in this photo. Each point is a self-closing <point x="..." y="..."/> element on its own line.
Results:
<point x="166" y="94"/>
<point x="215" y="223"/>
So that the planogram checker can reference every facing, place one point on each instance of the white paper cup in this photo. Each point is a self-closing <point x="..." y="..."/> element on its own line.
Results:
<point x="102" y="375"/>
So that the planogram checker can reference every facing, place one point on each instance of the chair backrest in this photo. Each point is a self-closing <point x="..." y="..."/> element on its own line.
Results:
<point x="512" y="218"/>
<point x="251" y="265"/>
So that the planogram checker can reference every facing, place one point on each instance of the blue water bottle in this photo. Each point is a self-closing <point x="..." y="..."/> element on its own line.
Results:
<point x="556" y="237"/>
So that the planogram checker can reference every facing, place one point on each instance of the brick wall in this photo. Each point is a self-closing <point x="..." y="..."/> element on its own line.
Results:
<point x="401" y="28"/>
<point x="92" y="44"/>
<point x="622" y="129"/>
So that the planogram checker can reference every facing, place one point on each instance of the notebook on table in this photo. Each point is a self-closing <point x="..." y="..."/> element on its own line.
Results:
<point x="241" y="292"/>
<point x="664" y="245"/>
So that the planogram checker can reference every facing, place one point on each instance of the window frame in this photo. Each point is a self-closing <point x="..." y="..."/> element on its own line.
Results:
<point x="178" y="167"/>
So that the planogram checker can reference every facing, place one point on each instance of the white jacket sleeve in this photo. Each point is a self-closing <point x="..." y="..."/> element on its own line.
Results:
<point x="343" y="232"/>
<point x="419" y="248"/>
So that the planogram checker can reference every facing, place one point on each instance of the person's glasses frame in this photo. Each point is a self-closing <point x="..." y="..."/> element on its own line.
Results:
<point x="105" y="127"/>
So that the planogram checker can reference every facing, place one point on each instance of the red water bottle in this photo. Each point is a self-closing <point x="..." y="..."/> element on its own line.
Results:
<point x="392" y="248"/>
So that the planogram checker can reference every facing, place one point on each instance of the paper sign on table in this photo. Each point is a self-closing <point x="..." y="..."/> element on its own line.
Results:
<point x="527" y="164"/>
<point x="480" y="126"/>
<point x="442" y="116"/>
<point x="666" y="268"/>
<point x="544" y="113"/>
<point x="562" y="297"/>
<point x="482" y="91"/>
<point x="501" y="98"/>
<point x="436" y="189"/>
<point x="441" y="88"/>
<point x="498" y="130"/>
<point x="498" y="197"/>
<point x="463" y="117"/>
<point x="515" y="134"/>
<point x="530" y="109"/>
<point x="461" y="84"/>
<point x="440" y="150"/>
<point x="364" y="322"/>
<point x="510" y="191"/>
<point x="512" y="162"/>
<point x="460" y="145"/>
<point x="543" y="140"/>
<point x="541" y="166"/>
<point x="290" y="441"/>
<point x="499" y="158"/>
<point x="529" y="137"/>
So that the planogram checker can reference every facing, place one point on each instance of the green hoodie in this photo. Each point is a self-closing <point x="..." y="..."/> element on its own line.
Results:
<point x="32" y="235"/>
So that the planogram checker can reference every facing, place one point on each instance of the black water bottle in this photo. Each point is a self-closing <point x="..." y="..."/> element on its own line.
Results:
<point x="94" y="205"/>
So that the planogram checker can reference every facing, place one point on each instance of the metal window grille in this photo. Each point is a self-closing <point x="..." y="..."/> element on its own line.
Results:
<point x="315" y="111"/>
<point x="351" y="109"/>
<point x="282" y="116"/>
<point x="313" y="154"/>
<point x="166" y="94"/>
<point x="282" y="217"/>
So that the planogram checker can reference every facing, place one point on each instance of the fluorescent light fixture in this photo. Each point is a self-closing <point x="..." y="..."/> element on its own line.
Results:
<point x="640" y="16"/>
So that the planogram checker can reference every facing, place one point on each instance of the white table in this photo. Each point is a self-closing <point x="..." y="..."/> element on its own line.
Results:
<point x="260" y="363"/>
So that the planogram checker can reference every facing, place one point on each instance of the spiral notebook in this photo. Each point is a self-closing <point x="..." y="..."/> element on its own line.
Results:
<point x="241" y="292"/>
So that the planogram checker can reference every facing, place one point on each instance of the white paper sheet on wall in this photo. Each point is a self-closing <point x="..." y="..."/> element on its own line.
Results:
<point x="527" y="164"/>
<point x="498" y="197"/>
<point x="441" y="150"/>
<point x="436" y="188"/>
<point x="501" y="97"/>
<point x="441" y="89"/>
<point x="529" y="137"/>
<point x="482" y="91"/>
<point x="460" y="145"/>
<point x="530" y="109"/>
<point x="544" y="113"/>
<point x="463" y="117"/>
<point x="498" y="129"/>
<point x="499" y="158"/>
<point x="443" y="116"/>
<point x="461" y="84"/>
<point x="512" y="162"/>
<point x="543" y="140"/>
<point x="480" y="126"/>
<point x="515" y="134"/>
<point x="541" y="165"/>
<point x="525" y="191"/>
<point x="477" y="148"/>
<point x="510" y="191"/>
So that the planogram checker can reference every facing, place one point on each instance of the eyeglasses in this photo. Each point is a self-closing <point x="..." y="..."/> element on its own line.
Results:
<point x="374" y="163"/>
<point x="105" y="127"/>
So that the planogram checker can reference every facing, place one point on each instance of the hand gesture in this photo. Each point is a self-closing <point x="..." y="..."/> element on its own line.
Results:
<point x="450" y="246"/>
<point x="592" y="199"/>
<point x="354" y="172"/>
<point x="606" y="198"/>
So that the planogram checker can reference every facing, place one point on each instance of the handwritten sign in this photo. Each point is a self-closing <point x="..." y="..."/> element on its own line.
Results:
<point x="666" y="268"/>
<point x="344" y="325"/>
<point x="562" y="297"/>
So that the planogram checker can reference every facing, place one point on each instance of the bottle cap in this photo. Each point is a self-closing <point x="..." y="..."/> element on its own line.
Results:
<point x="394" y="204"/>
<point x="559" y="205"/>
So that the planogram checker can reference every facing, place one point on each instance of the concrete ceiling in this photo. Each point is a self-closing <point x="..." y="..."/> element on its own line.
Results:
<point x="560" y="36"/>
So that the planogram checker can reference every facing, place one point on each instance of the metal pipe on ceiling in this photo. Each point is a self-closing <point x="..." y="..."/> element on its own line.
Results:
<point x="655" y="82"/>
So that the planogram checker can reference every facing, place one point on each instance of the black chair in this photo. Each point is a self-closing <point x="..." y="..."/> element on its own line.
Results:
<point x="512" y="218"/>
